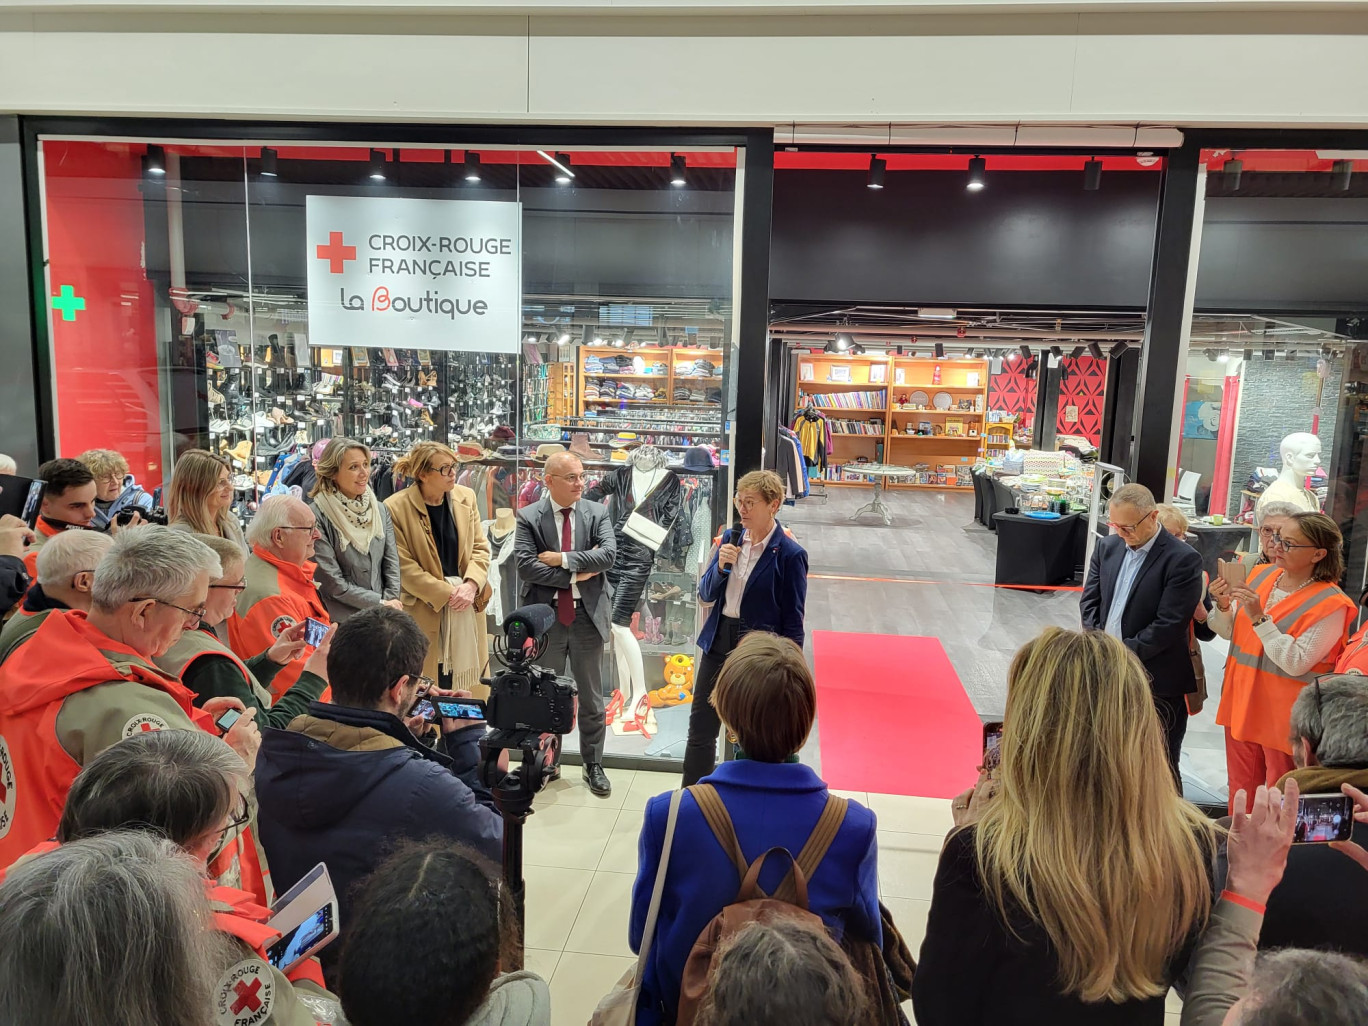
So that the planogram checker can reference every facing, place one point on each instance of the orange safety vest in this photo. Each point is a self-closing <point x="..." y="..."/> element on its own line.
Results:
<point x="237" y="913"/>
<point x="44" y="532"/>
<point x="1257" y="696"/>
<point x="268" y="607"/>
<point x="1354" y="658"/>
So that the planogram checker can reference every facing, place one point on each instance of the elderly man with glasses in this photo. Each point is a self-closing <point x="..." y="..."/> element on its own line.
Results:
<point x="280" y="591"/>
<point x="350" y="778"/>
<point x="1142" y="586"/>
<point x="87" y="680"/>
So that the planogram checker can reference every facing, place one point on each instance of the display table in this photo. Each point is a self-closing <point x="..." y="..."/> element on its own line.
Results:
<point x="1003" y="498"/>
<point x="879" y="472"/>
<point x="1218" y="542"/>
<point x="1039" y="552"/>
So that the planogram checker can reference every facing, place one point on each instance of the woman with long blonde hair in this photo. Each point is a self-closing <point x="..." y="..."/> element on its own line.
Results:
<point x="200" y="497"/>
<point x="1079" y="879"/>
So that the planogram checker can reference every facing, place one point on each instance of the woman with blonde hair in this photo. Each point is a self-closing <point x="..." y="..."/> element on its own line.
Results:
<point x="1078" y="880"/>
<point x="356" y="557"/>
<point x="115" y="488"/>
<point x="200" y="497"/>
<point x="443" y="565"/>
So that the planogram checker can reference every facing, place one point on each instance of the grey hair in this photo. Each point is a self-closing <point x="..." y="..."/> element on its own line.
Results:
<point x="227" y="550"/>
<point x="1136" y="495"/>
<point x="72" y="552"/>
<point x="1276" y="508"/>
<point x="150" y="561"/>
<point x="274" y="512"/>
<point x="1309" y="988"/>
<point x="112" y="929"/>
<point x="1338" y="723"/>
<point x="7" y="465"/>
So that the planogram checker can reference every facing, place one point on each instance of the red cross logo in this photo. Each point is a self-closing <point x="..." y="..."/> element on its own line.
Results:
<point x="336" y="253"/>
<point x="146" y="728"/>
<point x="247" y="996"/>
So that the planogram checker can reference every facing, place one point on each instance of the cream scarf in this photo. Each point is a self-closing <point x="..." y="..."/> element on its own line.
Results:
<point x="358" y="521"/>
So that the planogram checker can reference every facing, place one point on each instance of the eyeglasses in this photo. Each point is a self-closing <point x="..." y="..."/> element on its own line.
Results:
<point x="1278" y="541"/>
<point x="571" y="478"/>
<point x="239" y="819"/>
<point x="230" y="587"/>
<point x="1130" y="528"/>
<point x="196" y="614"/>
<point x="295" y="527"/>
<point x="425" y="684"/>
<point x="446" y="470"/>
<point x="748" y="504"/>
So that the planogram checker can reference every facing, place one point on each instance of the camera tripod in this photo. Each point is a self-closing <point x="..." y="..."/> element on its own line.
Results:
<point x="513" y="794"/>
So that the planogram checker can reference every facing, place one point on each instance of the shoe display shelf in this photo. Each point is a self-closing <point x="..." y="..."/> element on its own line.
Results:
<point x="393" y="398"/>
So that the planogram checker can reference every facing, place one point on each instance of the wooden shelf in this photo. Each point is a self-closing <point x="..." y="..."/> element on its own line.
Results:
<point x="930" y="487"/>
<point x="645" y="377"/>
<point x="844" y="412"/>
<point x="666" y="381"/>
<point x="896" y="435"/>
<point x="943" y="413"/>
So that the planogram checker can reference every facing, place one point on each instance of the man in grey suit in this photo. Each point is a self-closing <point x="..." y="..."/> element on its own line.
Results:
<point x="564" y="545"/>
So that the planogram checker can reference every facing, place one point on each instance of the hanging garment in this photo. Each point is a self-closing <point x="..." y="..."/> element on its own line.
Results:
<point x="503" y="578"/>
<point x="632" y="567"/>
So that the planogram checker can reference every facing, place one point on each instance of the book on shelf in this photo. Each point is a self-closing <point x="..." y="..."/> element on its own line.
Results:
<point x="845" y="400"/>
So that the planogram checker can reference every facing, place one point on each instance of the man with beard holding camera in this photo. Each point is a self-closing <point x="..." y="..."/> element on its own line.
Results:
<point x="349" y="777"/>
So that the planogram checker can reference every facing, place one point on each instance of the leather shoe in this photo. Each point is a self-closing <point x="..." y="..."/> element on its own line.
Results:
<point x="597" y="780"/>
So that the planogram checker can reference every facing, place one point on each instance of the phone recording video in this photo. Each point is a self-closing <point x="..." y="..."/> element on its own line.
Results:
<point x="423" y="708"/>
<point x="1324" y="817"/>
<point x="314" y="631"/>
<point x="302" y="941"/>
<point x="461" y="708"/>
<point x="225" y="722"/>
<point x="992" y="745"/>
<point x="33" y="502"/>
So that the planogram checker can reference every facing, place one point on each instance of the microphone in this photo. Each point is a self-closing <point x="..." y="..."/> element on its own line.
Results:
<point x="528" y="623"/>
<point x="732" y="537"/>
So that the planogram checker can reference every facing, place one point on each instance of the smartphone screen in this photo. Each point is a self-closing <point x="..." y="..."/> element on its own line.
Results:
<point x="1324" y="817"/>
<point x="992" y="745"/>
<point x="424" y="709"/>
<point x="314" y="631"/>
<point x="225" y="722"/>
<point x="461" y="708"/>
<point x="292" y="948"/>
<point x="33" y="502"/>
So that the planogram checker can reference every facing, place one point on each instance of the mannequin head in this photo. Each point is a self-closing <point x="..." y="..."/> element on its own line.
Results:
<point x="1301" y="453"/>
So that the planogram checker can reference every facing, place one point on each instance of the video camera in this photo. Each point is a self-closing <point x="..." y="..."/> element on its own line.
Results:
<point x="527" y="697"/>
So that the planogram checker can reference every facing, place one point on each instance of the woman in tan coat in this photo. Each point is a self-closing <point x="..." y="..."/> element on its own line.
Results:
<point x="443" y="564"/>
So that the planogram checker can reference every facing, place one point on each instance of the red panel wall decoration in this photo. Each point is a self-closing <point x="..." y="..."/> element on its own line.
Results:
<point x="1084" y="388"/>
<point x="104" y="343"/>
<point x="1011" y="391"/>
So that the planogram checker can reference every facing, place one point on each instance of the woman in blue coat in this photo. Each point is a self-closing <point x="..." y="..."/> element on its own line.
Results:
<point x="767" y="699"/>
<point x="758" y="584"/>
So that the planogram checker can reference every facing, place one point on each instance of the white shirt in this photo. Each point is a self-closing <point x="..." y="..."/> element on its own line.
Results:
<point x="740" y="573"/>
<point x="1131" y="563"/>
<point x="560" y="521"/>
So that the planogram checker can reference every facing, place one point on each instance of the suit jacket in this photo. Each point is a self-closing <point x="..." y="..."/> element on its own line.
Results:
<point x="1163" y="595"/>
<point x="775" y="595"/>
<point x="539" y="530"/>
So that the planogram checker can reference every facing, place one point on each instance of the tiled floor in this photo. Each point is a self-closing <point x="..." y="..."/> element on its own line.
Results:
<point x="580" y="862"/>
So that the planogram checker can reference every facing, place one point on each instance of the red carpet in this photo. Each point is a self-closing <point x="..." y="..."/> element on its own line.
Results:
<point x="892" y="716"/>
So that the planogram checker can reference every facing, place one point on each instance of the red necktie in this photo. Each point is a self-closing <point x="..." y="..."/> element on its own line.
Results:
<point x="565" y="599"/>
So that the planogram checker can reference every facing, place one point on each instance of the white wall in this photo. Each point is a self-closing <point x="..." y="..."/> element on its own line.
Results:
<point x="1118" y="62"/>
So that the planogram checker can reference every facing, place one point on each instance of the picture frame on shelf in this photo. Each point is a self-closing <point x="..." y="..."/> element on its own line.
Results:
<point x="971" y="379"/>
<point x="839" y="373"/>
<point x="878" y="373"/>
<point x="805" y="372"/>
<point x="899" y="375"/>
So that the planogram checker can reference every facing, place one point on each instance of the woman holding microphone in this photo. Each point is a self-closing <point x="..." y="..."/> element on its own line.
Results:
<point x="755" y="582"/>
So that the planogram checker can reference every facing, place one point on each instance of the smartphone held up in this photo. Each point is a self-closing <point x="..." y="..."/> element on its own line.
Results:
<point x="1322" y="818"/>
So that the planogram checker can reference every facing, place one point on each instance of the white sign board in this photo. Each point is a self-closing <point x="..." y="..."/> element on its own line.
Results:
<point x="414" y="273"/>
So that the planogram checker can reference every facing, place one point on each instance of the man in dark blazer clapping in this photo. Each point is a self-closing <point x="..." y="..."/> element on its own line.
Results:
<point x="564" y="545"/>
<point x="1143" y="585"/>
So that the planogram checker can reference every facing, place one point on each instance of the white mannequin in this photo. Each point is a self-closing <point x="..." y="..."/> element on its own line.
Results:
<point x="1301" y="454"/>
<point x="648" y="471"/>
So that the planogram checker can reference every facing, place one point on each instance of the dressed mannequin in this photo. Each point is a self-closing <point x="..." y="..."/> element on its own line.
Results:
<point x="646" y="487"/>
<point x="503" y="569"/>
<point x="1301" y="454"/>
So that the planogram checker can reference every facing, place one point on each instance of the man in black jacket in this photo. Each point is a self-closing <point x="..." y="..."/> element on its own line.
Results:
<point x="349" y="778"/>
<point x="1143" y="586"/>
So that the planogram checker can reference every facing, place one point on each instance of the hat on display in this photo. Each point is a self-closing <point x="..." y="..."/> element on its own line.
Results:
<point x="579" y="445"/>
<point x="469" y="452"/>
<point x="503" y="432"/>
<point x="619" y="456"/>
<point x="698" y="458"/>
<point x="625" y="440"/>
<point x="509" y="452"/>
<point x="546" y="451"/>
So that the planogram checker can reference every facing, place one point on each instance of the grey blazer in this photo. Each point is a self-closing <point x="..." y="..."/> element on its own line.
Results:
<point x="595" y="549"/>
<point x="350" y="581"/>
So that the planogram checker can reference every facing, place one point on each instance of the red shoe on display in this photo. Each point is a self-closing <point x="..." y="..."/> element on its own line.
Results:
<point x="614" y="709"/>
<point x="637" y="724"/>
<point x="636" y="630"/>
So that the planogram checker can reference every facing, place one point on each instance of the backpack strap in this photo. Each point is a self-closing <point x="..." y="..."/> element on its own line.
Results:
<point x="818" y="842"/>
<point x="715" y="812"/>
<point x="750" y="885"/>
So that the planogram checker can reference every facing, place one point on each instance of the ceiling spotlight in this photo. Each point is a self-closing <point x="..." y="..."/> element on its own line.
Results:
<point x="1077" y="352"/>
<point x="1014" y="355"/>
<point x="1092" y="175"/>
<point x="155" y="161"/>
<point x="268" y="162"/>
<point x="911" y="352"/>
<point x="677" y="167"/>
<point x="978" y="168"/>
<point x="843" y="342"/>
<point x="564" y="339"/>
<point x="940" y="351"/>
<point x="1056" y="352"/>
<point x="1210" y="354"/>
<point x="1119" y="348"/>
<point x="855" y="350"/>
<point x="876" y="172"/>
<point x="530" y="339"/>
<point x="618" y="343"/>
<point x="1025" y="350"/>
<point x="1223" y="356"/>
<point x="1340" y="174"/>
<point x="377" y="165"/>
<point x="1248" y="355"/>
<point x="1232" y="169"/>
<point x="1094" y="350"/>
<point x="472" y="167"/>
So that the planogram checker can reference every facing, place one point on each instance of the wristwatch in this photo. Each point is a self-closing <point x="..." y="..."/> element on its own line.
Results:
<point x="1260" y="620"/>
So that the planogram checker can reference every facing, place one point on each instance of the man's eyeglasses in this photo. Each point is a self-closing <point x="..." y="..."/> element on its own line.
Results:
<point x="230" y="587"/>
<point x="196" y="614"/>
<point x="1278" y="541"/>
<point x="1130" y="528"/>
<point x="296" y="527"/>
<point x="571" y="478"/>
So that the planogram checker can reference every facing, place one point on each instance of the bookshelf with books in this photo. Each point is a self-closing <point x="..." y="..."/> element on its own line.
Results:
<point x="851" y="392"/>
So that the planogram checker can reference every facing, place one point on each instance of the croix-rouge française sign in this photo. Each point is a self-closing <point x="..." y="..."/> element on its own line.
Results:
<point x="415" y="273"/>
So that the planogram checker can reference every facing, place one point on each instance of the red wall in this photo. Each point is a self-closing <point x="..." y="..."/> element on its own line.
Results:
<point x="108" y="395"/>
<point x="1085" y="387"/>
<point x="1013" y="392"/>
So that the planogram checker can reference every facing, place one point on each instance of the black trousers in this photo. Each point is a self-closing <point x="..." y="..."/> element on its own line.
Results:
<point x="700" y="754"/>
<point x="582" y="644"/>
<point x="1173" y="717"/>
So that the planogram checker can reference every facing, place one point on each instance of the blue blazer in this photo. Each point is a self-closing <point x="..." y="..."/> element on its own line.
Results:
<point x="775" y="594"/>
<point x="771" y="804"/>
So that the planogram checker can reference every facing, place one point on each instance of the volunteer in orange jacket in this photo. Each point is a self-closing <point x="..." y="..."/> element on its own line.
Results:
<point x="1291" y="624"/>
<point x="85" y="681"/>
<point x="1354" y="658"/>
<point x="190" y="788"/>
<point x="280" y="590"/>
<point x="68" y="502"/>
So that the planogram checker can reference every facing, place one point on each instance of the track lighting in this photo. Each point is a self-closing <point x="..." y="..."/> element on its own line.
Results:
<point x="564" y="339"/>
<point x="1232" y="169"/>
<point x="898" y="350"/>
<point x="377" y="165"/>
<point x="1268" y="355"/>
<point x="1056" y="352"/>
<point x="472" y="167"/>
<point x="1025" y="350"/>
<point x="855" y="350"/>
<point x="1210" y="354"/>
<point x="940" y="350"/>
<point x="677" y="167"/>
<point x="876" y="172"/>
<point x="843" y="342"/>
<point x="268" y="162"/>
<point x="561" y="162"/>
<point x="1092" y="175"/>
<point x="978" y="168"/>
<point x="1118" y="349"/>
<point x="155" y="161"/>
<point x="1094" y="350"/>
<point x="1340" y="174"/>
<point x="1014" y="356"/>
<point x="1291" y="355"/>
<point x="588" y="338"/>
<point x="1223" y="356"/>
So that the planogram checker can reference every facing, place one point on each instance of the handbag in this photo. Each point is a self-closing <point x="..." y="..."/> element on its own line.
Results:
<point x="645" y="531"/>
<point x="618" y="1007"/>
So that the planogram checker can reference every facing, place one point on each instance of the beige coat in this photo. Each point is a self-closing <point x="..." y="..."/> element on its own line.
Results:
<point x="425" y="589"/>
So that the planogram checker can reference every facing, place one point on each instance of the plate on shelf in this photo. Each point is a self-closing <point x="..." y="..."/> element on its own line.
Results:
<point x="1042" y="514"/>
<point x="918" y="398"/>
<point x="941" y="400"/>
